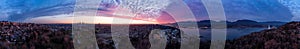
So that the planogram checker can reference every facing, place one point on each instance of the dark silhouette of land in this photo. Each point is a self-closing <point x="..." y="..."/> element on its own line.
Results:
<point x="284" y="37"/>
<point x="59" y="36"/>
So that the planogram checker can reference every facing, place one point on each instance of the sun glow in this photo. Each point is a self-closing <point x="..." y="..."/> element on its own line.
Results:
<point x="114" y="20"/>
<point x="87" y="19"/>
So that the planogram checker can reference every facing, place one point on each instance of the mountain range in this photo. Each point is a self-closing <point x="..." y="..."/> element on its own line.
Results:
<point x="235" y="24"/>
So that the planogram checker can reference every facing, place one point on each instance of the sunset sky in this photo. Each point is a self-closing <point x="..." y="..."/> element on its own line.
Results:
<point x="61" y="11"/>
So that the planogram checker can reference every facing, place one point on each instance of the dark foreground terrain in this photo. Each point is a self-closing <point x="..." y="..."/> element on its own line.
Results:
<point x="284" y="37"/>
<point x="59" y="36"/>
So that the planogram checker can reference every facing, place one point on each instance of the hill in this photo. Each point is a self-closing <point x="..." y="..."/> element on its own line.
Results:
<point x="284" y="37"/>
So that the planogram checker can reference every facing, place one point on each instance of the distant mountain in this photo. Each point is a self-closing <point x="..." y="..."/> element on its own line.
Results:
<point x="236" y="24"/>
<point x="245" y="22"/>
<point x="286" y="37"/>
<point x="277" y="23"/>
<point x="206" y="21"/>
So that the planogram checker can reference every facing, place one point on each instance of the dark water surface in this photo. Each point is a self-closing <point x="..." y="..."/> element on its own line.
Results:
<point x="232" y="33"/>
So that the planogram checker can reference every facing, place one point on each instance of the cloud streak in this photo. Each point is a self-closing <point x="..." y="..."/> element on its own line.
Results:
<point x="19" y="10"/>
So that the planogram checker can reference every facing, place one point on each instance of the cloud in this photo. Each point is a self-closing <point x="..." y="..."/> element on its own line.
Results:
<point x="259" y="10"/>
<point x="294" y="7"/>
<point x="22" y="10"/>
<point x="19" y="10"/>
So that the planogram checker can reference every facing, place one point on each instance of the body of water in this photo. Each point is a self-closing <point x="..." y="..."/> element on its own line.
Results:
<point x="232" y="33"/>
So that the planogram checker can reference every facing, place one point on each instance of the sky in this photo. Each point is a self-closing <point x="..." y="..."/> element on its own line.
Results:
<point x="62" y="11"/>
